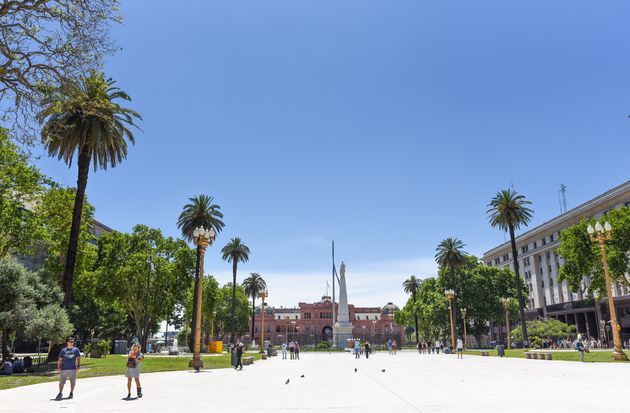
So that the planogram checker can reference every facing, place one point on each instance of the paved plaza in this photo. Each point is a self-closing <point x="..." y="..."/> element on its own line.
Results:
<point x="410" y="383"/>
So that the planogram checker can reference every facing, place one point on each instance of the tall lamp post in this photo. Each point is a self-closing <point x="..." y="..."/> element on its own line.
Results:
<point x="463" y="310"/>
<point x="374" y="327"/>
<point x="506" y="306"/>
<point x="601" y="234"/>
<point x="292" y="326"/>
<point x="262" y="296"/>
<point x="286" y="330"/>
<point x="203" y="237"/>
<point x="450" y="296"/>
<point x="145" y="335"/>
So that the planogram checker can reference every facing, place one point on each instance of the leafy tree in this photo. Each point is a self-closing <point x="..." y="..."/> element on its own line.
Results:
<point x="83" y="117"/>
<point x="209" y="308"/>
<point x="253" y="286"/>
<point x="120" y="274"/>
<point x="450" y="254"/>
<point x="411" y="286"/>
<point x="582" y="267"/>
<point x="232" y="315"/>
<point x="235" y="251"/>
<point x="49" y="322"/>
<point x="200" y="212"/>
<point x="551" y="329"/>
<point x="20" y="185"/>
<point x="43" y="42"/>
<point x="508" y="211"/>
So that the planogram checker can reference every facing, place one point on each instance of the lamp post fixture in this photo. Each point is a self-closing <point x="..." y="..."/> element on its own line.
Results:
<point x="203" y="237"/>
<point x="292" y="327"/>
<point x="463" y="310"/>
<point x="374" y="327"/>
<point x="506" y="305"/>
<point x="450" y="296"/>
<point x="601" y="234"/>
<point x="145" y="334"/>
<point x="262" y="296"/>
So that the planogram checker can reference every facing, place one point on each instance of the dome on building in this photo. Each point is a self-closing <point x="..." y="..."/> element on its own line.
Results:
<point x="390" y="308"/>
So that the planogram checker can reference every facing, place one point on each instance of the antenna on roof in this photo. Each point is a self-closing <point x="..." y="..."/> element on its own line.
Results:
<point x="562" y="198"/>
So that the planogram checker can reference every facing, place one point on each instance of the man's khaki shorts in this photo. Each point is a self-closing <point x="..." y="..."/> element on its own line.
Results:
<point x="68" y="375"/>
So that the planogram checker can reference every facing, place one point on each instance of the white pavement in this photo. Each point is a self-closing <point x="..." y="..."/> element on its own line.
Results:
<point x="410" y="383"/>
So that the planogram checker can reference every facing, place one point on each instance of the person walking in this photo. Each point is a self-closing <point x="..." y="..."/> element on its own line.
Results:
<point x="437" y="346"/>
<point x="579" y="346"/>
<point x="134" y="359"/>
<point x="367" y="350"/>
<point x="68" y="362"/>
<point x="292" y="349"/>
<point x="239" y="355"/>
<point x="296" y="350"/>
<point x="460" y="348"/>
<point x="357" y="349"/>
<point x="389" y="346"/>
<point x="394" y="346"/>
<point x="284" y="351"/>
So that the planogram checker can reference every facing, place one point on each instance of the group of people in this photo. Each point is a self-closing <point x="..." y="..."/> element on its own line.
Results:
<point x="294" y="350"/>
<point x="236" y="350"/>
<point x="367" y="349"/>
<point x="15" y="365"/>
<point x="435" y="348"/>
<point x="392" y="346"/>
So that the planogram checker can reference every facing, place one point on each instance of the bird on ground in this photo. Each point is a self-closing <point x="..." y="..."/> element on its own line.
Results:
<point x="355" y="369"/>
<point x="383" y="370"/>
<point x="302" y="376"/>
<point x="287" y="382"/>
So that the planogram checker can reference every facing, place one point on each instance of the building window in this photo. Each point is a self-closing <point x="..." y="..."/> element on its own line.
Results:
<point x="551" y="238"/>
<point x="308" y="329"/>
<point x="376" y="317"/>
<point x="296" y="317"/>
<point x="535" y="245"/>
<point x="628" y="204"/>
<point x="307" y="316"/>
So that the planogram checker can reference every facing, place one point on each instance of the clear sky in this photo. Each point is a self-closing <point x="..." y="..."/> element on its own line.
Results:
<point x="385" y="125"/>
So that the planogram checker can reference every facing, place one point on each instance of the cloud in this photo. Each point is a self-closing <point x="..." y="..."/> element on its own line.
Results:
<point x="369" y="283"/>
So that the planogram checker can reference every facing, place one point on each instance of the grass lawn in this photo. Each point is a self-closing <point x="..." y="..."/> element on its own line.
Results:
<point x="115" y="365"/>
<point x="594" y="356"/>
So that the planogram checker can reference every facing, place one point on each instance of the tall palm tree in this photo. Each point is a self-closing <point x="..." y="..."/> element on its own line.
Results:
<point x="450" y="255"/>
<point x="235" y="251"/>
<point x="199" y="212"/>
<point x="411" y="286"/>
<point x="83" y="117"/>
<point x="508" y="211"/>
<point x="253" y="286"/>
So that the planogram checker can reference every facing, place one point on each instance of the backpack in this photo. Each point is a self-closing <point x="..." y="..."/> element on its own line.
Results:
<point x="131" y="362"/>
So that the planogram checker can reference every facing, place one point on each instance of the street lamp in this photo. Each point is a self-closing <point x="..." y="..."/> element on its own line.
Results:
<point x="202" y="237"/>
<point x="601" y="234"/>
<point x="263" y="294"/>
<point x="450" y="296"/>
<point x="463" y="310"/>
<point x="145" y="335"/>
<point x="292" y="327"/>
<point x="506" y="305"/>
<point x="374" y="327"/>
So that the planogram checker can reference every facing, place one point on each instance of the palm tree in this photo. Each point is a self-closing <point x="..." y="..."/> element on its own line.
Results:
<point x="508" y="211"/>
<point x="200" y="212"/>
<point x="451" y="256"/>
<point x="411" y="286"/>
<point x="235" y="251"/>
<point x="254" y="285"/>
<point x="82" y="117"/>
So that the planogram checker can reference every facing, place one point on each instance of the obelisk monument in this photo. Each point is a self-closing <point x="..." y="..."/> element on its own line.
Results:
<point x="343" y="327"/>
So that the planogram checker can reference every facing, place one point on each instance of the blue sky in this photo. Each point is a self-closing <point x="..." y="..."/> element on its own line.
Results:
<point x="385" y="125"/>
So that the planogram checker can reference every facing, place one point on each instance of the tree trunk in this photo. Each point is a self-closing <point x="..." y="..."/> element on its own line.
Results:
<point x="253" y="314"/>
<point x="454" y="287"/>
<point x="519" y="290"/>
<point x="5" y="351"/>
<point x="191" y="344"/>
<point x="75" y="228"/>
<point x="233" y="311"/>
<point x="415" y="315"/>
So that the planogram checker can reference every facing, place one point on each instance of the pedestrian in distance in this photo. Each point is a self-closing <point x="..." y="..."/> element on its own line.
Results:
<point x="394" y="346"/>
<point x="292" y="349"/>
<point x="437" y="346"/>
<point x="134" y="359"/>
<point x="579" y="346"/>
<point x="284" y="351"/>
<point x="239" y="355"/>
<point x="460" y="348"/>
<point x="296" y="350"/>
<point x="389" y="346"/>
<point x="367" y="350"/>
<point x="68" y="362"/>
<point x="357" y="349"/>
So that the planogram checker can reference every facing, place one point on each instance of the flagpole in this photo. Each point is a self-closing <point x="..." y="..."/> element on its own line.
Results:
<point x="333" y="292"/>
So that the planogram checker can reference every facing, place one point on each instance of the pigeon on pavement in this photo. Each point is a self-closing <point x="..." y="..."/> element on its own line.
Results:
<point x="287" y="382"/>
<point x="302" y="376"/>
<point x="355" y="369"/>
<point x="383" y="370"/>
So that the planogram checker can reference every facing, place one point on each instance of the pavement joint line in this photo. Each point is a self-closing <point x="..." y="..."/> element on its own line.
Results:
<point x="392" y="392"/>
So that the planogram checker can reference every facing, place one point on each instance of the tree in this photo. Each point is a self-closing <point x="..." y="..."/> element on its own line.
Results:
<point x="82" y="117"/>
<point x="235" y="251"/>
<point x="450" y="254"/>
<point x="253" y="286"/>
<point x="551" y="329"/>
<point x="209" y="308"/>
<point x="232" y="312"/>
<point x="49" y="322"/>
<point x="44" y="42"/>
<point x="20" y="185"/>
<point x="582" y="267"/>
<point x="200" y="212"/>
<point x="120" y="274"/>
<point x="411" y="286"/>
<point x="508" y="211"/>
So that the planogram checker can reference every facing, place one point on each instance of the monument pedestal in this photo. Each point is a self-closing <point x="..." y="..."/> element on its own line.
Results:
<point x="343" y="333"/>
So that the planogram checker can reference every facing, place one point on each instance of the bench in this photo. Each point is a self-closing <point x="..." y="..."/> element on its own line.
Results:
<point x="485" y="353"/>
<point x="539" y="355"/>
<point x="247" y="360"/>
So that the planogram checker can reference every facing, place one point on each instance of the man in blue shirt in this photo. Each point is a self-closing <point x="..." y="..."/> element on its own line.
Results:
<point x="67" y="365"/>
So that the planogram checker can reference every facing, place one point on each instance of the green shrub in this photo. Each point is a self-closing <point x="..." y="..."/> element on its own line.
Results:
<point x="323" y="345"/>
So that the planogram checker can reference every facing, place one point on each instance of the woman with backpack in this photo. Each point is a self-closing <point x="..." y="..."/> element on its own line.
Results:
<point x="133" y="369"/>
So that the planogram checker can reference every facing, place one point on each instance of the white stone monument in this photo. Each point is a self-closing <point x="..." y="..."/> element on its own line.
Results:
<point x="343" y="326"/>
